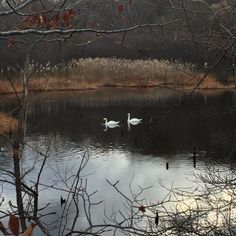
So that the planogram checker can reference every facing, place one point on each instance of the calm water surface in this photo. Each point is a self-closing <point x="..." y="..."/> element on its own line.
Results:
<point x="168" y="134"/>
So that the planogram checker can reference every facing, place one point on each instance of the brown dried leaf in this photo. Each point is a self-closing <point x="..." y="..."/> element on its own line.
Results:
<point x="142" y="209"/>
<point x="14" y="225"/>
<point x="10" y="42"/>
<point x="29" y="230"/>
<point x="120" y="8"/>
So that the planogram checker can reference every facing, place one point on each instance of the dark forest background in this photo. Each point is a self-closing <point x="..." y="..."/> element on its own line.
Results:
<point x="199" y="35"/>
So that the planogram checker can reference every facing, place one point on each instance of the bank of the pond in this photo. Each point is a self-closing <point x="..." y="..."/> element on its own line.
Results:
<point x="102" y="72"/>
<point x="8" y="124"/>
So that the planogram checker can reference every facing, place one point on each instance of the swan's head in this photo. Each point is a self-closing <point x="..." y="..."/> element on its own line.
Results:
<point x="105" y="119"/>
<point x="128" y="114"/>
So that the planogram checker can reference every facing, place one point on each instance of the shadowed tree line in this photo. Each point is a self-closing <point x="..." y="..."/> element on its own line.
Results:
<point x="194" y="31"/>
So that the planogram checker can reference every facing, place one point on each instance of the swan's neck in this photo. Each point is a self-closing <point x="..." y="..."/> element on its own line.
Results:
<point x="105" y="120"/>
<point x="128" y="117"/>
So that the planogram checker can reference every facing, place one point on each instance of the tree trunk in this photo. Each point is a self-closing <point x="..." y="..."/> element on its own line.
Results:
<point x="17" y="171"/>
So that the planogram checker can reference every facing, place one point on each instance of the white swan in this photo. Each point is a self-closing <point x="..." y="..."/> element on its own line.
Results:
<point x="133" y="121"/>
<point x="111" y="123"/>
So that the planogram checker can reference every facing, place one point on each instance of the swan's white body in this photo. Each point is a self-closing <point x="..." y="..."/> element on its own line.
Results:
<point x="111" y="123"/>
<point x="133" y="121"/>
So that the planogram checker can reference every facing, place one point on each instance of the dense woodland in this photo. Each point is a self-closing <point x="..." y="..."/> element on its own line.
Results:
<point x="193" y="31"/>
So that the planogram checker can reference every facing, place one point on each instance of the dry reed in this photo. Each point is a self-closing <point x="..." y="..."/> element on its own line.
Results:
<point x="8" y="124"/>
<point x="100" y="72"/>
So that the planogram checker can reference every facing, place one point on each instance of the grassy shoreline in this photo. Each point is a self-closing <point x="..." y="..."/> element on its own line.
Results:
<point x="8" y="124"/>
<point x="95" y="73"/>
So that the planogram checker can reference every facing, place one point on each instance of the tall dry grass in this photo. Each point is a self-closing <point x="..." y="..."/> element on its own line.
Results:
<point x="112" y="70"/>
<point x="8" y="124"/>
<point x="103" y="68"/>
<point x="99" y="72"/>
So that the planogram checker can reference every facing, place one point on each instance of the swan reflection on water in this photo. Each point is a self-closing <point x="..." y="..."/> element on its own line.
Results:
<point x="110" y="124"/>
<point x="133" y="121"/>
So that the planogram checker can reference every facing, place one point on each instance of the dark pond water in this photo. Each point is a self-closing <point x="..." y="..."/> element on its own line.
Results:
<point x="168" y="134"/>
